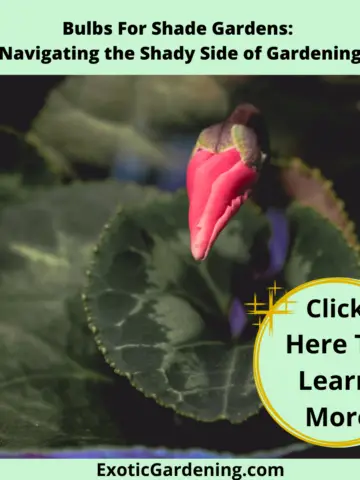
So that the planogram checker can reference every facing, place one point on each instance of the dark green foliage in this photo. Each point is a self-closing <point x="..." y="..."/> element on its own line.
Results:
<point x="160" y="317"/>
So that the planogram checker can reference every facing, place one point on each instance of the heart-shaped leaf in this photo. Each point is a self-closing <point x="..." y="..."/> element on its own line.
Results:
<point x="320" y="249"/>
<point x="52" y="380"/>
<point x="309" y="188"/>
<point x="102" y="120"/>
<point x="158" y="314"/>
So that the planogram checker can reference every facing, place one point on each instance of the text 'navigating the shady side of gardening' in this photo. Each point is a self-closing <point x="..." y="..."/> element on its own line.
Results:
<point x="307" y="362"/>
<point x="125" y="42"/>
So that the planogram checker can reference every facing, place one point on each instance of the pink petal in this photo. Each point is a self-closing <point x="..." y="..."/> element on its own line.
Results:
<point x="197" y="160"/>
<point x="218" y="184"/>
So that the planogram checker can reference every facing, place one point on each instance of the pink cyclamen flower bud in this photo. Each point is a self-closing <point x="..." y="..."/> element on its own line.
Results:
<point x="224" y="166"/>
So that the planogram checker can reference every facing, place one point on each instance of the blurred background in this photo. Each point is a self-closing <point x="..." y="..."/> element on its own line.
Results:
<point x="144" y="128"/>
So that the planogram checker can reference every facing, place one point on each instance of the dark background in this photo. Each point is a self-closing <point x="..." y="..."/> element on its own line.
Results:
<point x="21" y="98"/>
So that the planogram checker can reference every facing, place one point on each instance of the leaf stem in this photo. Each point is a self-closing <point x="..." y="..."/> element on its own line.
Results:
<point x="222" y="299"/>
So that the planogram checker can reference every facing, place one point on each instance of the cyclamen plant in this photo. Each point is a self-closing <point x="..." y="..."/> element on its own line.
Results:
<point x="224" y="168"/>
<point x="163" y="294"/>
<point x="161" y="318"/>
<point x="223" y="171"/>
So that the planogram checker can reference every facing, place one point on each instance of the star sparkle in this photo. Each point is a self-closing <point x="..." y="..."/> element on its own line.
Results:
<point x="269" y="309"/>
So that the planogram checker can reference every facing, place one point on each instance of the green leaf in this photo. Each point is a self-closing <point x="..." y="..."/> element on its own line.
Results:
<point x="159" y="317"/>
<point x="88" y="120"/>
<point x="320" y="249"/>
<point x="52" y="377"/>
<point x="99" y="119"/>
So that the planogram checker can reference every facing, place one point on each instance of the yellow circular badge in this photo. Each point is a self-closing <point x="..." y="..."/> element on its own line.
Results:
<point x="307" y="362"/>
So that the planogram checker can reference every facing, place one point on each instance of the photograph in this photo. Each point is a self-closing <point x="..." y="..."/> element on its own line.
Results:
<point x="143" y="221"/>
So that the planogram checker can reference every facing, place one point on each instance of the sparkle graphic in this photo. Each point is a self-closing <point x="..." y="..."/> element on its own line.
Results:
<point x="267" y="309"/>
